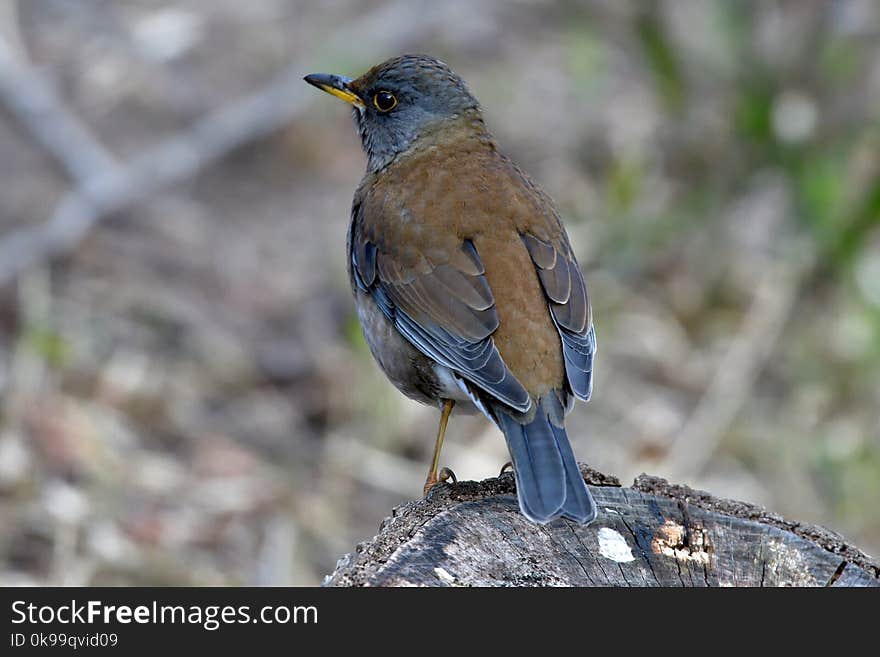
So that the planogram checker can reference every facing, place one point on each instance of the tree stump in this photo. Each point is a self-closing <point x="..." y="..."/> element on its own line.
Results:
<point x="651" y="534"/>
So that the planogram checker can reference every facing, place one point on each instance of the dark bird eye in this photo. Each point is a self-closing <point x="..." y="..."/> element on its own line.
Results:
<point x="384" y="101"/>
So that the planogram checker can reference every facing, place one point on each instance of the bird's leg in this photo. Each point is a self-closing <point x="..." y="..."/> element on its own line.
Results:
<point x="445" y="473"/>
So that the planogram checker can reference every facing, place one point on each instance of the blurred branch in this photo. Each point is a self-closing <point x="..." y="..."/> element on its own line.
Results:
<point x="105" y="187"/>
<point x="737" y="372"/>
<point x="172" y="160"/>
<point x="33" y="101"/>
<point x="10" y="33"/>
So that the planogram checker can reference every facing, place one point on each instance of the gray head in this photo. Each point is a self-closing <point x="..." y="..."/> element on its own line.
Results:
<point x="400" y="100"/>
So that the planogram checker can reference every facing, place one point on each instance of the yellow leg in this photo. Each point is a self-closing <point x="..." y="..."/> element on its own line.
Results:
<point x="438" y="445"/>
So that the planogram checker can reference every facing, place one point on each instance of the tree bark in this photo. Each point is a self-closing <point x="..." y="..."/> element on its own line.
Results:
<point x="651" y="534"/>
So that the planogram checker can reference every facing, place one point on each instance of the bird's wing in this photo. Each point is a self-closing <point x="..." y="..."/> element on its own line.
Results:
<point x="566" y="293"/>
<point x="440" y="301"/>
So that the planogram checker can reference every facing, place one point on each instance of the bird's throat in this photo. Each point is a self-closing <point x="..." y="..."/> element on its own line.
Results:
<point x="466" y="131"/>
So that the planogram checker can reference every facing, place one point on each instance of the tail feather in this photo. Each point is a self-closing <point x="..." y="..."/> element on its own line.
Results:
<point x="548" y="481"/>
<point x="537" y="463"/>
<point x="579" y="505"/>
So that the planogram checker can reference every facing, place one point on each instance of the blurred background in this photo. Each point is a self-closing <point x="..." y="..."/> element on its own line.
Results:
<point x="186" y="395"/>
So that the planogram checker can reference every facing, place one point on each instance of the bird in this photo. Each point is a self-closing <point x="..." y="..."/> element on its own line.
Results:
<point x="465" y="282"/>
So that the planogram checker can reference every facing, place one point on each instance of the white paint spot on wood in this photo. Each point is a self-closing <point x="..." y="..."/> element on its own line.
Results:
<point x="613" y="546"/>
<point x="444" y="575"/>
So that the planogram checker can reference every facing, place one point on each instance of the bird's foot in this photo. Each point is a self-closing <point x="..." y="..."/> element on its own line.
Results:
<point x="446" y="475"/>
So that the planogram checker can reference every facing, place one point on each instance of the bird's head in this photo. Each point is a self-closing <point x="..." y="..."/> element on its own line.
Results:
<point x="401" y="101"/>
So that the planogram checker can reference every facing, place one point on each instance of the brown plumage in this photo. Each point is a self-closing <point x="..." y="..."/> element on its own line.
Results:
<point x="464" y="278"/>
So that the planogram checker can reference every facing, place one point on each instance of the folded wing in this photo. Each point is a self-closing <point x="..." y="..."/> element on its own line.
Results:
<point x="566" y="294"/>
<point x="443" y="305"/>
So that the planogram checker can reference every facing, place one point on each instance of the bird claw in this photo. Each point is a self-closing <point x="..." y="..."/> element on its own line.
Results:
<point x="444" y="476"/>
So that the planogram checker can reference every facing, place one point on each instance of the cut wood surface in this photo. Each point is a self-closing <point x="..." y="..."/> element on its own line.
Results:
<point x="650" y="534"/>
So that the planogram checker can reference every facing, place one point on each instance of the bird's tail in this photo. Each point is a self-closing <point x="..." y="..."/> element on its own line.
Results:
<point x="548" y="481"/>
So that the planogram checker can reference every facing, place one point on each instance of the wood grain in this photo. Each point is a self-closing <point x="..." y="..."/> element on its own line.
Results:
<point x="651" y="534"/>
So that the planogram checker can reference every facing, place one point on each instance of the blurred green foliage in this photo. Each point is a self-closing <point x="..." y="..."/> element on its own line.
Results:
<point x="47" y="344"/>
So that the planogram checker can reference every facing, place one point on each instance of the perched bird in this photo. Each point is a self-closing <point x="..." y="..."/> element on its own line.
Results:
<point x="466" y="286"/>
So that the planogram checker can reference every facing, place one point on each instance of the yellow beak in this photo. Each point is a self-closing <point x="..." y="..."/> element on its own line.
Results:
<point x="335" y="85"/>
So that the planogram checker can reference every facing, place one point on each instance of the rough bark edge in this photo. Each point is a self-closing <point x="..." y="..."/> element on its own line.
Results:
<point x="824" y="538"/>
<point x="409" y="517"/>
<point x="354" y="568"/>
